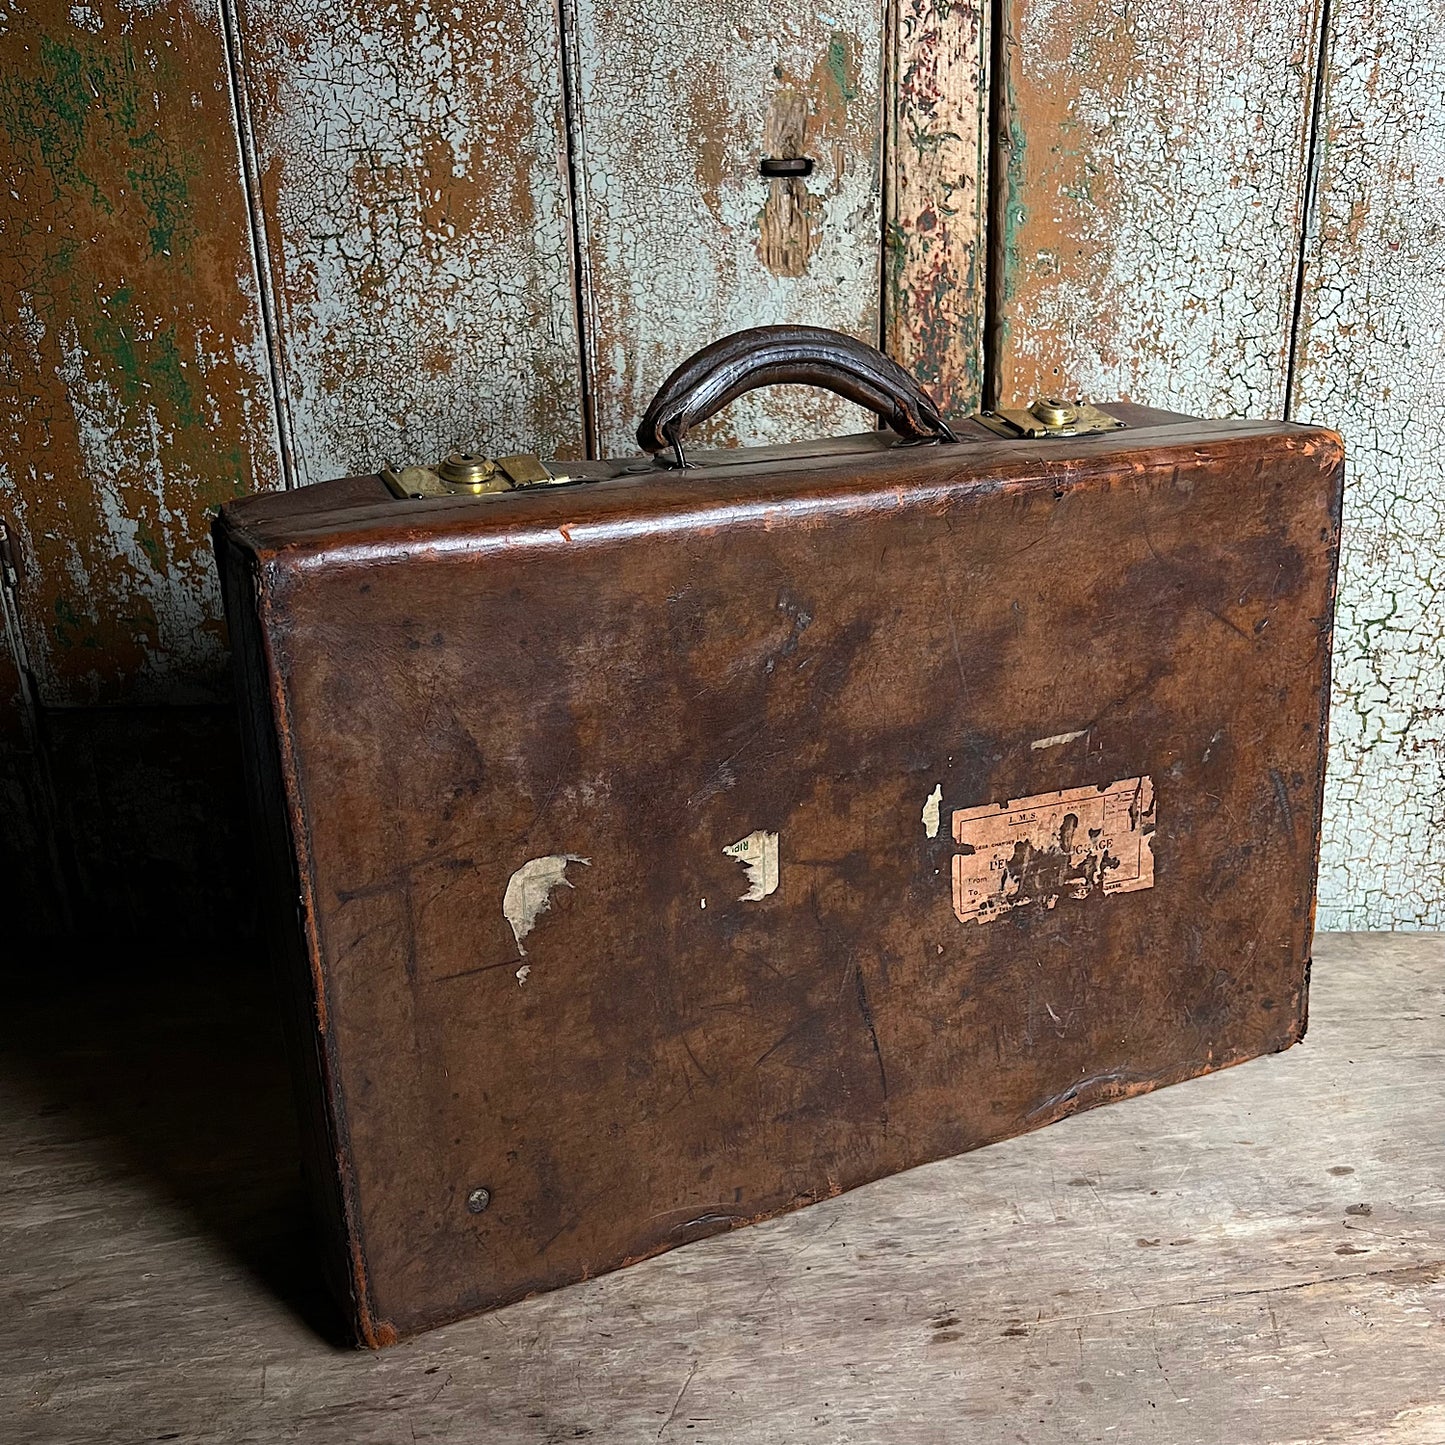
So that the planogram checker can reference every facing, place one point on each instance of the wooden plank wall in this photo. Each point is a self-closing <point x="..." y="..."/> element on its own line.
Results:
<point x="410" y="168"/>
<point x="681" y="239"/>
<point x="1237" y="208"/>
<point x="284" y="240"/>
<point x="258" y="242"/>
<point x="937" y="190"/>
<point x="135" y="395"/>
<point x="1152" y="183"/>
<point x="137" y="390"/>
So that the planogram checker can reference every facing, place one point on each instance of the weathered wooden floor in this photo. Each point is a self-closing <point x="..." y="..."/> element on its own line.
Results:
<point x="1257" y="1256"/>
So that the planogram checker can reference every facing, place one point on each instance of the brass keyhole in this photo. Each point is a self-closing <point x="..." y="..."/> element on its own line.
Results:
<point x="466" y="471"/>
<point x="1054" y="411"/>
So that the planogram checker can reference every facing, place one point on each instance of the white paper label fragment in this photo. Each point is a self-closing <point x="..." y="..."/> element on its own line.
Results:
<point x="758" y="853"/>
<point x="931" y="806"/>
<point x="529" y="893"/>
<point x="1068" y="844"/>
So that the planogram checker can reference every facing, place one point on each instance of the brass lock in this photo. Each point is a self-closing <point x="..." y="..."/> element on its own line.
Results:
<point x="1049" y="416"/>
<point x="471" y="474"/>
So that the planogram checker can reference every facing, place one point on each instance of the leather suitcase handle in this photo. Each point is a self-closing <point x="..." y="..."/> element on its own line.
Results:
<point x="769" y="355"/>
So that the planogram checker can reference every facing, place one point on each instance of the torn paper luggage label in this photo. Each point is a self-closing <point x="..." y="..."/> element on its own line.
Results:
<point x="758" y="853"/>
<point x="1067" y="844"/>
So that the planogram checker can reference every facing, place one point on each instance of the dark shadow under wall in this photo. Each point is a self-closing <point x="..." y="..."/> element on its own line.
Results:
<point x="125" y="824"/>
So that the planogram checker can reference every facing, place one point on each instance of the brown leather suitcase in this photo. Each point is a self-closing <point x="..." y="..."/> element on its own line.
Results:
<point x="653" y="850"/>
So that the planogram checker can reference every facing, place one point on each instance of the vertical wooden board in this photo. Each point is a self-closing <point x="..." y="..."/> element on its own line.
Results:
<point x="1371" y="362"/>
<point x="937" y="162"/>
<point x="136" y="388"/>
<point x="412" y="173"/>
<point x="1151" y="196"/>
<point x="683" y="240"/>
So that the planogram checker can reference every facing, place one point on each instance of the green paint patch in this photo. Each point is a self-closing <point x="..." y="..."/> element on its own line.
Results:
<point x="1015" y="213"/>
<point x="71" y="630"/>
<point x="84" y="118"/>
<point x="146" y="366"/>
<point x="833" y="83"/>
<point x="841" y="68"/>
<point x="150" y="546"/>
<point x="239" y="479"/>
<point x="164" y="192"/>
<point x="63" y="258"/>
<point x="225" y="475"/>
<point x="46" y="116"/>
<point x="170" y="376"/>
<point x="839" y="62"/>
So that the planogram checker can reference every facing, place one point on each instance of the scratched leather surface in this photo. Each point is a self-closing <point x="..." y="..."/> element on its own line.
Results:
<point x="641" y="673"/>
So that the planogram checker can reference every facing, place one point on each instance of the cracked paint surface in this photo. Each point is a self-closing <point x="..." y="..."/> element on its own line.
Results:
<point x="1372" y="364"/>
<point x="413" y="179"/>
<point x="1156" y="168"/>
<point x="1157" y="172"/>
<point x="679" y="232"/>
<point x="136" y="395"/>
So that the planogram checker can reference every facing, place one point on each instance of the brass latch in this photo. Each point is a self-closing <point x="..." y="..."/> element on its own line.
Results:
<point x="469" y="474"/>
<point x="1050" y="417"/>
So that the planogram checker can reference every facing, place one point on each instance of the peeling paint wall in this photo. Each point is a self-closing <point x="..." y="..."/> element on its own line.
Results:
<point x="1372" y="364"/>
<point x="265" y="242"/>
<point x="133" y="377"/>
<point x="1154" y="221"/>
<point x="673" y="107"/>
<point x="413" y="178"/>
<point x="277" y="241"/>
<point x="1154" y="178"/>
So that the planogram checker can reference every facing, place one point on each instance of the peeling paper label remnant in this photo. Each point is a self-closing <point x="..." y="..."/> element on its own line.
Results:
<point x="1067" y="844"/>
<point x="758" y="853"/>
<point x="930" y="811"/>
<point x="529" y="892"/>
<point x="1057" y="740"/>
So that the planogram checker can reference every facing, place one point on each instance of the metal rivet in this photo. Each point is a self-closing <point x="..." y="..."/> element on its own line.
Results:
<point x="478" y="1200"/>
